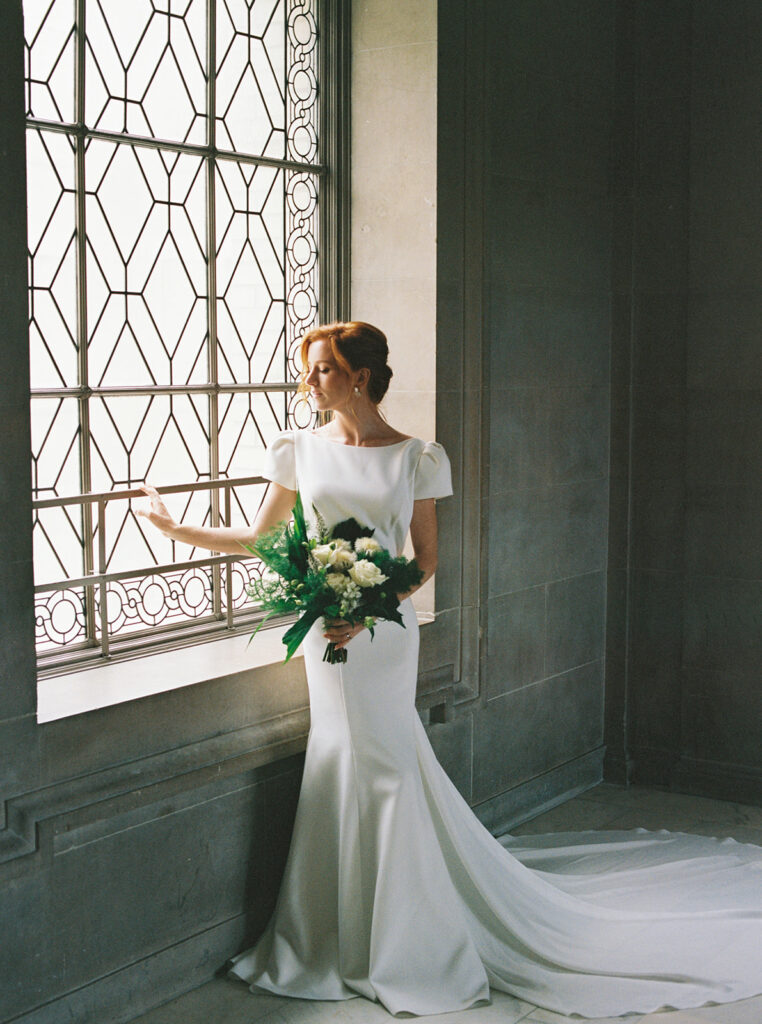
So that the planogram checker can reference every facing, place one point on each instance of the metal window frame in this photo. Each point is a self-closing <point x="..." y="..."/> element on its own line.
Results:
<point x="333" y="170"/>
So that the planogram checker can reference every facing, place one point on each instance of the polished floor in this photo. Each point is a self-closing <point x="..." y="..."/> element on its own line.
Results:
<point x="228" y="1002"/>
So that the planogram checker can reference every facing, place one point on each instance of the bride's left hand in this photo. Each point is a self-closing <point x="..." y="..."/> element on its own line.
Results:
<point x="340" y="632"/>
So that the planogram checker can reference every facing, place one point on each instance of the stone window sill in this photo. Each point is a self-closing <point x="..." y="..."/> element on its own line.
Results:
<point x="120" y="681"/>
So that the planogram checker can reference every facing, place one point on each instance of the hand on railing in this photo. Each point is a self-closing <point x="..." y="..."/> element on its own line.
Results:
<point x="158" y="514"/>
<point x="98" y="579"/>
<point x="225" y="540"/>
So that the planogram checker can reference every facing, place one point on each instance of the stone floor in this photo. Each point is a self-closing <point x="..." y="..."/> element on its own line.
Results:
<point x="606" y="806"/>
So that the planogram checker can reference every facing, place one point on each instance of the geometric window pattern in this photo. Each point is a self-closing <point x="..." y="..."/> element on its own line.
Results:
<point x="174" y="185"/>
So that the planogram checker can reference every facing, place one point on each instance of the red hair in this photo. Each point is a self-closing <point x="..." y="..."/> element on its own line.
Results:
<point x="354" y="345"/>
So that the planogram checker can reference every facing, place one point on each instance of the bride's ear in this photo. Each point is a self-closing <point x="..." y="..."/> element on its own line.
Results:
<point x="363" y="376"/>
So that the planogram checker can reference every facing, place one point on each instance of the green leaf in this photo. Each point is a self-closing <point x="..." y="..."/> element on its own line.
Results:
<point x="294" y="636"/>
<point x="264" y="620"/>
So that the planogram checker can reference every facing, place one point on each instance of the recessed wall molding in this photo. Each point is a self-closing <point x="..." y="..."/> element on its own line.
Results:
<point x="39" y="822"/>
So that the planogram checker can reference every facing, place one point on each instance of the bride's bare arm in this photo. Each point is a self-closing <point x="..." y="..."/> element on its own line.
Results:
<point x="228" y="540"/>
<point x="423" y="534"/>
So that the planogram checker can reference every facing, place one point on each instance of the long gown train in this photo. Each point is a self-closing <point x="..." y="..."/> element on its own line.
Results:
<point x="394" y="890"/>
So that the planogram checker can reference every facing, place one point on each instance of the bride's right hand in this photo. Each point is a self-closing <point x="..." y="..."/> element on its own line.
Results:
<point x="158" y="513"/>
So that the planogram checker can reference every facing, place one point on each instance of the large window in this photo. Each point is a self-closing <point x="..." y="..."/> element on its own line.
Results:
<point x="177" y="186"/>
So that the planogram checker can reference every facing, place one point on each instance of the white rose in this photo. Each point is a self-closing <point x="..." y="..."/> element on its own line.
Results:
<point x="341" y="554"/>
<point x="366" y="545"/>
<point x="366" y="574"/>
<point x="322" y="553"/>
<point x="337" y="581"/>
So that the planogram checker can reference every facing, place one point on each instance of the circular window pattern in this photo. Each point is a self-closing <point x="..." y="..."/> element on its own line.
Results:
<point x="303" y="86"/>
<point x="303" y="141"/>
<point x="303" y="29"/>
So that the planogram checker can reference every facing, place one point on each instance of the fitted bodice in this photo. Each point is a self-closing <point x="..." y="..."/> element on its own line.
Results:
<point x="375" y="485"/>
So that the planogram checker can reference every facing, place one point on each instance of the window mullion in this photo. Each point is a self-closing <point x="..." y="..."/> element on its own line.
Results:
<point x="334" y="115"/>
<point x="286" y="339"/>
<point x="211" y="274"/>
<point x="88" y="533"/>
<point x="146" y="142"/>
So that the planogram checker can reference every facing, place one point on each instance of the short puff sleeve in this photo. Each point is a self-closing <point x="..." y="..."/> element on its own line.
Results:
<point x="432" y="474"/>
<point x="280" y="461"/>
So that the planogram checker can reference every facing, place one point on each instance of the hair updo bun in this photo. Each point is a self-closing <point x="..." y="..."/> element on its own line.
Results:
<point x="379" y="383"/>
<point x="355" y="346"/>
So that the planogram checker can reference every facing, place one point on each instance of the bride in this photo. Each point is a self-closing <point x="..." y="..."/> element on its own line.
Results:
<point x="393" y="890"/>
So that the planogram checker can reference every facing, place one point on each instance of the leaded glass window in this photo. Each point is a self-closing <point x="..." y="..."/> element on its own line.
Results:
<point x="175" y="186"/>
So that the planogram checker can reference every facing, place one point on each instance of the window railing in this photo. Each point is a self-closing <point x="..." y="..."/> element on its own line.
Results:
<point x="106" y="613"/>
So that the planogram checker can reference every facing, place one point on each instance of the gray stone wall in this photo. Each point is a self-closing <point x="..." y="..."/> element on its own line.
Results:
<point x="548" y="101"/>
<point x="722" y="638"/>
<point x="650" y="174"/>
<point x="17" y="704"/>
<point x="684" y="608"/>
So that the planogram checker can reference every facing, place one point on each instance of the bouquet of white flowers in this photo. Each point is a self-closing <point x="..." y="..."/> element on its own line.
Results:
<point x="343" y="573"/>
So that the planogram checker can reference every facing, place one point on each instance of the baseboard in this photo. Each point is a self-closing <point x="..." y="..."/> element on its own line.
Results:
<point x="507" y="810"/>
<point x="134" y="990"/>
<point x="734" y="782"/>
<point x="652" y="767"/>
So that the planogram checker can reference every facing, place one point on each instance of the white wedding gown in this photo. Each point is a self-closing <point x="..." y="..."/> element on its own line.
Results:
<point x="393" y="890"/>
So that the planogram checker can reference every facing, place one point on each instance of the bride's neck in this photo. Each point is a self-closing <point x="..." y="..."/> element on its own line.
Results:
<point x="365" y="425"/>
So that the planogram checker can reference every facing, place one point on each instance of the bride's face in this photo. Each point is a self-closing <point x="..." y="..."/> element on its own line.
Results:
<point x="330" y="385"/>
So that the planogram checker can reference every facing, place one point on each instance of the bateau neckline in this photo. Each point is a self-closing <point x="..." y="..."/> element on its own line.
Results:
<point x="359" y="447"/>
